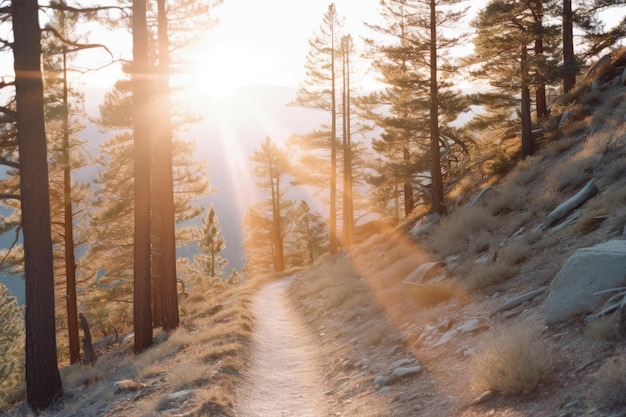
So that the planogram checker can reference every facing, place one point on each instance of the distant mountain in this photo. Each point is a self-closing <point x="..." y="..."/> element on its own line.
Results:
<point x="230" y="131"/>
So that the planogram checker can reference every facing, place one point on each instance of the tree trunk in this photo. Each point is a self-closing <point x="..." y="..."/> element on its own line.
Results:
<point x="333" y="154"/>
<point x="142" y="306"/>
<point x="43" y="382"/>
<point x="279" y="265"/>
<point x="540" y="92"/>
<point x="347" y="145"/>
<point x="435" y="162"/>
<point x="569" y="60"/>
<point x="527" y="136"/>
<point x="68" y="224"/>
<point x="166" y="181"/>
<point x="90" y="354"/>
<point x="156" y="254"/>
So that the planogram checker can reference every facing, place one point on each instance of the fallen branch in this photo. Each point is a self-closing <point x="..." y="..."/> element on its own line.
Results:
<point x="588" y="191"/>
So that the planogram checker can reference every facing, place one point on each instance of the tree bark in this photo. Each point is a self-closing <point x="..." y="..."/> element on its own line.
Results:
<point x="142" y="297"/>
<point x="90" y="354"/>
<point x="435" y="154"/>
<point x="43" y="382"/>
<point x="68" y="224"/>
<point x="528" y="147"/>
<point x="333" y="153"/>
<point x="540" y="91"/>
<point x="347" y="144"/>
<point x="166" y="182"/>
<point x="569" y="59"/>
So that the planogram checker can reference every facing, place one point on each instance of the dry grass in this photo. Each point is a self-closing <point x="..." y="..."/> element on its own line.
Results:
<point x="465" y="228"/>
<point x="511" y="362"/>
<point x="608" y="391"/>
<point x="433" y="293"/>
<point x="205" y="355"/>
<point x="603" y="328"/>
<point x="483" y="276"/>
<point x="611" y="203"/>
<point x="571" y="174"/>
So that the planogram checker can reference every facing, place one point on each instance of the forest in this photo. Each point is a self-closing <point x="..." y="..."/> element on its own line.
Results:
<point x="104" y="250"/>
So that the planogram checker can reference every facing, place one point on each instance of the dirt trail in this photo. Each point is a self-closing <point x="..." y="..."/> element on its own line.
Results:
<point x="283" y="379"/>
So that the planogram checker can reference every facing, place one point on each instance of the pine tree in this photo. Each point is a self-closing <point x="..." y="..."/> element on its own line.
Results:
<point x="43" y="382"/>
<point x="213" y="243"/>
<point x="110" y="255"/>
<point x="505" y="32"/>
<point x="309" y="236"/>
<point x="67" y="197"/>
<point x="270" y="166"/>
<point x="319" y="91"/>
<point x="417" y="103"/>
<point x="11" y="346"/>
<point x="142" y="134"/>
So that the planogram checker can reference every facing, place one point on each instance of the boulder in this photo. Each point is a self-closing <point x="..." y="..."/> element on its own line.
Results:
<point x="586" y="272"/>
<point x="425" y="272"/>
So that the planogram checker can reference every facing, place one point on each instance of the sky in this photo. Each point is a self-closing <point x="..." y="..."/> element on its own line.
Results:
<point x="266" y="42"/>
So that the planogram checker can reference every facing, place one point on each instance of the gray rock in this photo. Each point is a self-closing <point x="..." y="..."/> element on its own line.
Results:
<point x="402" y="371"/>
<point x="587" y="271"/>
<point x="401" y="362"/>
<point x="484" y="397"/>
<point x="381" y="380"/>
<point x="181" y="396"/>
<point x="447" y="337"/>
<point x="127" y="385"/>
<point x="471" y="326"/>
<point x="521" y="299"/>
<point x="425" y="272"/>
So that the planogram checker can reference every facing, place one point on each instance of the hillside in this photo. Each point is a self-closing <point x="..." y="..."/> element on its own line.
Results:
<point x="470" y="335"/>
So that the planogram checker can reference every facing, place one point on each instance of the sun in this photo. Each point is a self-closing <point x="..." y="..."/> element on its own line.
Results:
<point x="213" y="74"/>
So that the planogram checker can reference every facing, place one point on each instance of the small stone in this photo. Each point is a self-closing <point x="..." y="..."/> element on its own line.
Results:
<point x="401" y="362"/>
<point x="180" y="395"/>
<point x="406" y="371"/>
<point x="127" y="385"/>
<point x="447" y="337"/>
<point x="470" y="326"/>
<point x="484" y="397"/>
<point x="381" y="380"/>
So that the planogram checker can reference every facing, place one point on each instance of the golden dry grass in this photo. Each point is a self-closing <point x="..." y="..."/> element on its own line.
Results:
<point x="511" y="362"/>
<point x="463" y="229"/>
<point x="603" y="328"/>
<point x="608" y="391"/>
<point x="205" y="354"/>
<point x="612" y="201"/>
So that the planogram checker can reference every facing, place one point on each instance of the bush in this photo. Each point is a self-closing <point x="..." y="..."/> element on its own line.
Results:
<point x="511" y="362"/>
<point x="11" y="349"/>
<point x="608" y="392"/>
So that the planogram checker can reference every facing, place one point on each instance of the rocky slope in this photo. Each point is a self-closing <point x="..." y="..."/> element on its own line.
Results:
<point x="473" y="314"/>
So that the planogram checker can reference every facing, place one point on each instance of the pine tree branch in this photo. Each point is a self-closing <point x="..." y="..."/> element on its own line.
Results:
<point x="10" y="197"/>
<point x="9" y="164"/>
<point x="8" y="112"/>
<point x="77" y="46"/>
<point x="64" y="7"/>
<point x="17" y="235"/>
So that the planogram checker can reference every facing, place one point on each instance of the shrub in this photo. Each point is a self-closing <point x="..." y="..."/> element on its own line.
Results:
<point x="603" y="328"/>
<point x="572" y="174"/>
<point x="11" y="349"/>
<point x="465" y="228"/>
<point x="608" y="392"/>
<point x="511" y="362"/>
<point x="610" y="203"/>
<point x="500" y="165"/>
<point x="482" y="276"/>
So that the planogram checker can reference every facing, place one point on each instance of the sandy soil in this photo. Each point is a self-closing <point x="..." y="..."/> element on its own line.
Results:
<point x="283" y="378"/>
